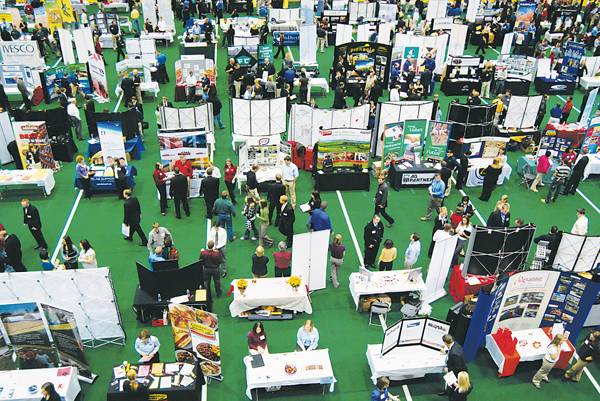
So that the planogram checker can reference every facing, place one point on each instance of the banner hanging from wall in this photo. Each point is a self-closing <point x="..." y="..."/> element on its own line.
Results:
<point x="98" y="76"/>
<point x="21" y="52"/>
<point x="110" y="134"/>
<point x="33" y="144"/>
<point x="436" y="141"/>
<point x="573" y="54"/>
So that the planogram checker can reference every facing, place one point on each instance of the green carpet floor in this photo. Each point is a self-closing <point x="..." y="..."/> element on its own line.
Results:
<point x="343" y="330"/>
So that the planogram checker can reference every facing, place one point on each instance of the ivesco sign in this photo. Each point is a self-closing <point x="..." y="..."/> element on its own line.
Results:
<point x="26" y="48"/>
<point x="21" y="52"/>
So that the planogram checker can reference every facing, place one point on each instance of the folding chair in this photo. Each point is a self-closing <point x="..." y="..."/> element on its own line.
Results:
<point x="378" y="308"/>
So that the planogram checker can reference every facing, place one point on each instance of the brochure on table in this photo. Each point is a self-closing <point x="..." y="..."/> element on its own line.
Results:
<point x="424" y="331"/>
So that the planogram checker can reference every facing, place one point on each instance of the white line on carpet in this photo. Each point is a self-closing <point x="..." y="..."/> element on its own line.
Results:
<point x="463" y="193"/>
<point x="564" y="100"/>
<point x="406" y="393"/>
<point x="57" y="61"/>
<point x="589" y="375"/>
<point x="67" y="225"/>
<point x="588" y="201"/>
<point x="350" y="228"/>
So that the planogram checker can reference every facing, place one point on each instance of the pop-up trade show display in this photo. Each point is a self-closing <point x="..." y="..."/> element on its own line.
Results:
<point x="361" y="57"/>
<point x="366" y="283"/>
<point x="257" y="118"/>
<point x="177" y="381"/>
<point x="417" y="48"/>
<point x="65" y="75"/>
<point x="103" y="21"/>
<point x="521" y="116"/>
<point x="33" y="144"/>
<point x="9" y="74"/>
<point x="461" y="76"/>
<point x="147" y="73"/>
<point x="199" y="65"/>
<point x="88" y="293"/>
<point x="266" y="152"/>
<point x="576" y="253"/>
<point x="309" y="258"/>
<point x="556" y="138"/>
<point x="283" y="19"/>
<point x="25" y="385"/>
<point x="348" y="149"/>
<point x="520" y="72"/>
<point x="276" y="292"/>
<point x="289" y="369"/>
<point x="170" y="283"/>
<point x="439" y="266"/>
<point x="518" y="319"/>
<point x="411" y="348"/>
<point x="483" y="153"/>
<point x="395" y="112"/>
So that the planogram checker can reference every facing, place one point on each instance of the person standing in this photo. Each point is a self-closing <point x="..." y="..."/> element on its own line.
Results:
<point x="210" y="188"/>
<point x="190" y="86"/>
<point x="560" y="176"/>
<point x="413" y="251"/>
<point x="157" y="237"/>
<point x="263" y="219"/>
<point x="490" y="179"/>
<point x="225" y="212"/>
<point x="542" y="168"/>
<point x="381" y="198"/>
<point x="339" y="99"/>
<point x="87" y="255"/>
<point x="74" y="117"/>
<point x="283" y="261"/>
<point x="290" y="175"/>
<point x="274" y="193"/>
<point x="132" y="216"/>
<point x="252" y="182"/>
<point x="486" y="80"/>
<point x="580" y="227"/>
<point x="120" y="48"/>
<point x="389" y="253"/>
<point x="436" y="196"/>
<point x="550" y="359"/>
<point x="69" y="253"/>
<point x="179" y="192"/>
<point x="372" y="235"/>
<point x="120" y="172"/>
<point x="160" y="180"/>
<point x="319" y="219"/>
<point x="31" y="218"/>
<point x="566" y="110"/>
<point x="587" y="352"/>
<point x="14" y="255"/>
<point x="337" y="252"/>
<point x="280" y="41"/>
<point x="455" y="359"/>
<point x="230" y="175"/>
<point x="211" y="259"/>
<point x="461" y="390"/>
<point x="218" y="235"/>
<point x="577" y="173"/>
<point x="286" y="220"/>
<point x="462" y="169"/>
<point x="259" y="263"/>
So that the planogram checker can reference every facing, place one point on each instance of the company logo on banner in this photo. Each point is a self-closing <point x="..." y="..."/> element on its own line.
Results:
<point x="111" y="141"/>
<point x="417" y="178"/>
<point x="21" y="52"/>
<point x="33" y="144"/>
<point x="437" y="140"/>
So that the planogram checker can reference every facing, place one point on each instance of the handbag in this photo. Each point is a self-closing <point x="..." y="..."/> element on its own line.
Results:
<point x="125" y="229"/>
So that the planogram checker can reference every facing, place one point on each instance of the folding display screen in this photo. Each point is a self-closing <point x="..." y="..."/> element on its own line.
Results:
<point x="170" y="283"/>
<point x="259" y="117"/>
<point x="577" y="253"/>
<point x="522" y="111"/>
<point x="200" y="117"/>
<point x="423" y="331"/>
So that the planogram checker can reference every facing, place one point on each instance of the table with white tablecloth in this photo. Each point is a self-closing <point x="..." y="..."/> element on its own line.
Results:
<point x="26" y="384"/>
<point x="593" y="166"/>
<point x="406" y="362"/>
<point x="588" y="83"/>
<point x="475" y="179"/>
<point x="314" y="83"/>
<point x="386" y="282"/>
<point x="165" y="36"/>
<point x="269" y="292"/>
<point x="43" y="178"/>
<point x="312" y="367"/>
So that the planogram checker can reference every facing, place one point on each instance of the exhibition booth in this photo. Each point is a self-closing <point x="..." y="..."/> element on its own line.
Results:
<point x="365" y="283"/>
<point x="360" y="57"/>
<point x="461" y="75"/>
<point x="520" y="73"/>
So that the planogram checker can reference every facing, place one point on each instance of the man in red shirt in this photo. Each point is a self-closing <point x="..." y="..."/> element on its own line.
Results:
<point x="160" y="180"/>
<point x="185" y="166"/>
<point x="543" y="165"/>
<point x="566" y="110"/>
<point x="211" y="260"/>
<point x="283" y="261"/>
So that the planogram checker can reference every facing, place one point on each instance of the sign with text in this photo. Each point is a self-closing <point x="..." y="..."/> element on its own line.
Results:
<point x="33" y="144"/>
<point x="21" y="52"/>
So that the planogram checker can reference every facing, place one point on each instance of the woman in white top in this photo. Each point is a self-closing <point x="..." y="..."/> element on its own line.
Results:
<point x="463" y="232"/>
<point x="87" y="255"/>
<point x="550" y="359"/>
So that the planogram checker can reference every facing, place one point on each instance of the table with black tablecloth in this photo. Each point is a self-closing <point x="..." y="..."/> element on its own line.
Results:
<point x="100" y="183"/>
<point x="147" y="306"/>
<point x="518" y="87"/>
<point x="342" y="180"/>
<point x="549" y="86"/>
<point x="401" y="176"/>
<point x="63" y="148"/>
<point x="460" y="87"/>
<point x="133" y="146"/>
<point x="191" y="392"/>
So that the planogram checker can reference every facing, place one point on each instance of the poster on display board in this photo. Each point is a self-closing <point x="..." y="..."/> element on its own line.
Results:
<point x="6" y="356"/>
<point x="263" y="151"/>
<point x="21" y="52"/>
<point x="195" y="333"/>
<point x="424" y="331"/>
<point x="573" y="54"/>
<point x="265" y="52"/>
<point x="434" y="332"/>
<point x="10" y="74"/>
<point x="110" y="134"/>
<point x="33" y="144"/>
<point x="290" y="38"/>
<point x="98" y="76"/>
<point x="393" y="143"/>
<point x="436" y="141"/>
<point x="191" y="143"/>
<point x="56" y="77"/>
<point x="592" y="137"/>
<point x="412" y="331"/>
<point x="345" y="151"/>
<point x="524" y="15"/>
<point x="364" y="56"/>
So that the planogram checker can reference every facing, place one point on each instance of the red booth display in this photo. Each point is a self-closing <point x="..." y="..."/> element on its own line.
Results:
<point x="469" y="285"/>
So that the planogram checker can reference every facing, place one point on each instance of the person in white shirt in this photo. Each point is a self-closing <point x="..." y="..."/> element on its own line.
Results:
<point x="581" y="224"/>
<point x="248" y="94"/>
<point x="87" y="255"/>
<point x="443" y="233"/>
<point x="190" y="84"/>
<point x="218" y="235"/>
<point x="74" y="117"/>
<point x="156" y="236"/>
<point x="550" y="359"/>
<point x="83" y="18"/>
<point x="395" y="93"/>
<point x="161" y="26"/>
<point x="413" y="251"/>
<point x="216" y="172"/>
<point x="290" y="175"/>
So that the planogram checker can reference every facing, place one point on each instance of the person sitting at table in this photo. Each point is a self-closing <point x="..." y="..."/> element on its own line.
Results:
<point x="147" y="346"/>
<point x="308" y="337"/>
<point x="137" y="391"/>
<point x="257" y="340"/>
<point x="49" y="392"/>
<point x="381" y="392"/>
<point x="259" y="263"/>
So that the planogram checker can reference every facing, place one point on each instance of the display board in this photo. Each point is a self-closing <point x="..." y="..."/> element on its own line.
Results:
<point x="308" y="44"/>
<point x="56" y="77"/>
<point x="471" y="123"/>
<point x="110" y="134"/>
<point x="88" y="293"/>
<point x="199" y="117"/>
<point x="418" y="47"/>
<point x="33" y="144"/>
<point x="98" y="76"/>
<point x="592" y="137"/>
<point x="361" y="10"/>
<point x="259" y="117"/>
<point x="307" y="123"/>
<point x="493" y="251"/>
<point x="577" y="253"/>
<point x="524" y="15"/>
<point x="171" y="283"/>
<point x="517" y="67"/>
<point x="21" y="52"/>
<point x="191" y="143"/>
<point x="343" y="34"/>
<point x="10" y="73"/>
<point x="436" y="141"/>
<point x="458" y="35"/>
<point x="7" y="135"/>
<point x="284" y="14"/>
<point x="196" y="338"/>
<point x="573" y="54"/>
<point x="425" y="331"/>
<point x="439" y="266"/>
<point x="522" y="111"/>
<point x="290" y="38"/>
<point x="261" y="151"/>
<point x="309" y="258"/>
<point x="364" y="56"/>
<point x="436" y="9"/>
<point x="347" y="148"/>
<point x="393" y="112"/>
<point x="84" y="43"/>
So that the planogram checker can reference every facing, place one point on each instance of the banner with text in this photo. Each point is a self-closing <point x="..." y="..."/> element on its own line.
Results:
<point x="33" y="144"/>
<point x="111" y="140"/>
<point x="192" y="144"/>
<point x="21" y="52"/>
<point x="437" y="140"/>
<point x="98" y="75"/>
<point x="573" y="54"/>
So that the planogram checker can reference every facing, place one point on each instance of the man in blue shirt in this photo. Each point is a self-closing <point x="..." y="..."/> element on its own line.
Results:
<point x="436" y="196"/>
<point x="319" y="219"/>
<point x="161" y="69"/>
<point x="429" y="62"/>
<point x="381" y="393"/>
<point x="556" y="111"/>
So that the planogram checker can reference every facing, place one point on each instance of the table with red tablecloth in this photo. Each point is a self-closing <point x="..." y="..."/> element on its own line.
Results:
<point x="469" y="285"/>
<point x="572" y="131"/>
<point x="526" y="346"/>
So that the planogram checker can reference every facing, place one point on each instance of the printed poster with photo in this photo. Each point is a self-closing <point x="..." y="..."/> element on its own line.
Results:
<point x="192" y="144"/>
<point x="393" y="143"/>
<point x="98" y="76"/>
<point x="437" y="140"/>
<point x="33" y="144"/>
<point x="112" y="143"/>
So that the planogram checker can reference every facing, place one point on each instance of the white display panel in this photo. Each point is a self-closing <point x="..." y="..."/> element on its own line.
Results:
<point x="21" y="52"/>
<point x="84" y="44"/>
<point x="259" y="120"/>
<point x="436" y="9"/>
<point x="458" y="35"/>
<point x="472" y="9"/>
<point x="412" y="331"/>
<point x="434" y="332"/>
<point x="363" y="33"/>
<point x="385" y="32"/>
<point x="308" y="44"/>
<point x="241" y="116"/>
<point x="390" y="338"/>
<point x="588" y="257"/>
<point x="309" y="258"/>
<point x="577" y="253"/>
<point x="199" y="117"/>
<point x="531" y="111"/>
<point x="321" y="120"/>
<point x="259" y="117"/>
<point x="363" y="9"/>
<point x="341" y="118"/>
<point x="149" y="10"/>
<point x="343" y="34"/>
<point x="439" y="266"/>
<point x="7" y="135"/>
<point x="507" y="43"/>
<point x="284" y="14"/>
<point x="278" y="116"/>
<point x="88" y="293"/>
<point x="387" y="12"/>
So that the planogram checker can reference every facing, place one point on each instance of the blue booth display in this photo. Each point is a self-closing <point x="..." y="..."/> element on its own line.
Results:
<point x="101" y="183"/>
<point x="134" y="146"/>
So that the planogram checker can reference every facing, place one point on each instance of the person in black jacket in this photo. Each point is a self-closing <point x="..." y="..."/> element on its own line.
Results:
<point x="252" y="183"/>
<point x="490" y="179"/>
<point x="499" y="218"/>
<point x="381" y="198"/>
<point x="132" y="216"/>
<point x="577" y="173"/>
<point x="120" y="171"/>
<point x="455" y="360"/>
<point x="120" y="48"/>
<point x="587" y="352"/>
<point x="31" y="218"/>
<point x="216" y="106"/>
<point x="209" y="187"/>
<point x="373" y="234"/>
<point x="461" y="390"/>
<point x="4" y="103"/>
<point x="339" y="99"/>
<point x="14" y="256"/>
<point x="462" y="170"/>
<point x="274" y="193"/>
<point x="286" y="220"/>
<point x="179" y="193"/>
